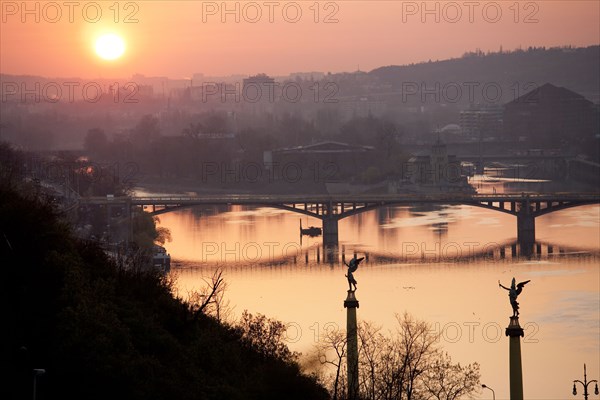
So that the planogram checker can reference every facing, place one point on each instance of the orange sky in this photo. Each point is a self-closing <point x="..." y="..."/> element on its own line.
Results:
<point x="177" y="39"/>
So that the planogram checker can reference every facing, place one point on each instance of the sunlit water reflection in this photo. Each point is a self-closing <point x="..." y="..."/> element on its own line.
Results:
<point x="430" y="261"/>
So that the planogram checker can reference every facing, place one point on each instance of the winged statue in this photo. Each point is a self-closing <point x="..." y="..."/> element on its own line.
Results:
<point x="352" y="267"/>
<point x="513" y="292"/>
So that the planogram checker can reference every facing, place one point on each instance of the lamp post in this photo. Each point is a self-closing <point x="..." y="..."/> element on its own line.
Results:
<point x="36" y="372"/>
<point x="585" y="384"/>
<point x="487" y="387"/>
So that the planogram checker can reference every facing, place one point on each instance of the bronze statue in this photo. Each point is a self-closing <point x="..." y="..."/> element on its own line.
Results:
<point x="513" y="292"/>
<point x="352" y="267"/>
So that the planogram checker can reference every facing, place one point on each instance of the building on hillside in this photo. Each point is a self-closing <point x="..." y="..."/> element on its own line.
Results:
<point x="551" y="115"/>
<point x="481" y="121"/>
<point x="321" y="162"/>
<point x="361" y="106"/>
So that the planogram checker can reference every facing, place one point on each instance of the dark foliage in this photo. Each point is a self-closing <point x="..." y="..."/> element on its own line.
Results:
<point x="102" y="332"/>
<point x="511" y="70"/>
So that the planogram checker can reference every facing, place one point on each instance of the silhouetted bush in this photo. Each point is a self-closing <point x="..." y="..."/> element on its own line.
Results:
<point x="102" y="332"/>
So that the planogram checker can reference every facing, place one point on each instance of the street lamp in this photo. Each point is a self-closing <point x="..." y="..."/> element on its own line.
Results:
<point x="585" y="384"/>
<point x="36" y="372"/>
<point x="487" y="387"/>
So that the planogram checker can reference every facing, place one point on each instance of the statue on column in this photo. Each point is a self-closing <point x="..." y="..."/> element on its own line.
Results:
<point x="352" y="267"/>
<point x="513" y="292"/>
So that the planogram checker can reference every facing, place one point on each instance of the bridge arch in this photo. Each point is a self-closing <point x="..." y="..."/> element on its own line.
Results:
<point x="338" y="211"/>
<point x="330" y="209"/>
<point x="563" y="206"/>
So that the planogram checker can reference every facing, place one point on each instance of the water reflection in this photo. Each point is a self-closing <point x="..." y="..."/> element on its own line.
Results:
<point x="440" y="263"/>
<point x="411" y="252"/>
<point x="461" y="300"/>
<point x="442" y="233"/>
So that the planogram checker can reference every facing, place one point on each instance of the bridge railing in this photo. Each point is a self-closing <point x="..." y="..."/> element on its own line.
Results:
<point x="257" y="198"/>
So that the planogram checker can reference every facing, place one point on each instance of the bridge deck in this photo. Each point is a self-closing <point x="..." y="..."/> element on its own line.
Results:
<point x="330" y="209"/>
<point x="258" y="199"/>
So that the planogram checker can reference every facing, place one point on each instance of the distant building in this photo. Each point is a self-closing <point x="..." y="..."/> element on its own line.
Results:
<point x="450" y="132"/>
<point x="159" y="84"/>
<point x="550" y="115"/>
<point x="145" y="91"/>
<point x="308" y="76"/>
<point x="434" y="168"/>
<point x="479" y="121"/>
<point x="323" y="161"/>
<point x="259" y="93"/>
<point x="161" y="260"/>
<point x="361" y="107"/>
<point x="256" y="83"/>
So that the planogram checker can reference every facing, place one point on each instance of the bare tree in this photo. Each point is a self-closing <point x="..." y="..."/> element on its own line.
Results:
<point x="331" y="351"/>
<point x="372" y="344"/>
<point x="404" y="365"/>
<point x="417" y="345"/>
<point x="447" y="381"/>
<point x="210" y="299"/>
<point x="392" y="370"/>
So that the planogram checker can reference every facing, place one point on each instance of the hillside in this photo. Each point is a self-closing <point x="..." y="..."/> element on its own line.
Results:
<point x="573" y="68"/>
<point x="101" y="332"/>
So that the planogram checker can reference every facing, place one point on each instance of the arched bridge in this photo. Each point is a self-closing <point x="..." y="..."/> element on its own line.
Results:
<point x="331" y="208"/>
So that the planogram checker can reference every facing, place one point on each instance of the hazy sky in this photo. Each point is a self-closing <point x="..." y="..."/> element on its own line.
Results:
<point x="178" y="39"/>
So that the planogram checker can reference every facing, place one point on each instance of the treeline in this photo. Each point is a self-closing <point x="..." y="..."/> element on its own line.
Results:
<point x="200" y="155"/>
<point x="407" y="363"/>
<point x="102" y="332"/>
<point x="515" y="72"/>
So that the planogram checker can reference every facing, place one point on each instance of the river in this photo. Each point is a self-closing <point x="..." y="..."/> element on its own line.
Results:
<point x="439" y="263"/>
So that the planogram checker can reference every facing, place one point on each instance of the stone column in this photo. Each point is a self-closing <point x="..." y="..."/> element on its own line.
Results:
<point x="351" y="304"/>
<point x="515" y="332"/>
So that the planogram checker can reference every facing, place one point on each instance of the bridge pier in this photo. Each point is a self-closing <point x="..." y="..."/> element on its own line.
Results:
<point x="330" y="231"/>
<point x="525" y="229"/>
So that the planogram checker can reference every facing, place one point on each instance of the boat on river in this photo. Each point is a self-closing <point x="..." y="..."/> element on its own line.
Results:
<point x="311" y="231"/>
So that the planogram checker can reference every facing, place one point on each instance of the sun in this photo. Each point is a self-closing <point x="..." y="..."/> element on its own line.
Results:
<point x="110" y="46"/>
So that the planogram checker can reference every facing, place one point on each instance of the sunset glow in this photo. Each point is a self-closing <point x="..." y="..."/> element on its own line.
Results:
<point x="172" y="41"/>
<point x="110" y="47"/>
<point x="188" y="188"/>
